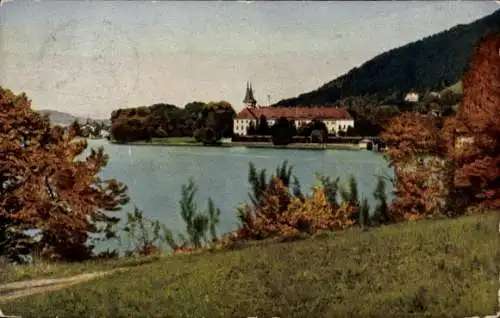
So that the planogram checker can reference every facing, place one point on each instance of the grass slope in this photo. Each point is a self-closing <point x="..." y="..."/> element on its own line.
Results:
<point x="427" y="268"/>
<point x="455" y="88"/>
<point x="41" y="269"/>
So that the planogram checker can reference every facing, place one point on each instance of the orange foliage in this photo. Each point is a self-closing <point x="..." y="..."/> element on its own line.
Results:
<point x="464" y="151"/>
<point x="44" y="187"/>
<point x="183" y="250"/>
<point x="316" y="213"/>
<point x="281" y="214"/>
<point x="478" y="163"/>
<point x="269" y="216"/>
<point x="412" y="134"/>
<point x="419" y="192"/>
<point x="416" y="150"/>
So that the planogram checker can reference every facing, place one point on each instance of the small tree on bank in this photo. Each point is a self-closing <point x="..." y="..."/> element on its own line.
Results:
<point x="198" y="223"/>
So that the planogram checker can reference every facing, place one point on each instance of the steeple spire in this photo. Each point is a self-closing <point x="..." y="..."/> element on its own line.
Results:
<point x="249" y="100"/>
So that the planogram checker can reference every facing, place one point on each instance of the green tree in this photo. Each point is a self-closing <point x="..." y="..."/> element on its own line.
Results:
<point x="263" y="127"/>
<point x="381" y="209"/>
<point x="349" y="194"/>
<point x="143" y="234"/>
<point x="198" y="224"/>
<point x="330" y="187"/>
<point x="364" y="212"/>
<point x="351" y="132"/>
<point x="282" y="132"/>
<point x="259" y="182"/>
<point x="318" y="136"/>
<point x="252" y="130"/>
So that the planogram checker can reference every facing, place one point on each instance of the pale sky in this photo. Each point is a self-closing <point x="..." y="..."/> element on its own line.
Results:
<point x="90" y="57"/>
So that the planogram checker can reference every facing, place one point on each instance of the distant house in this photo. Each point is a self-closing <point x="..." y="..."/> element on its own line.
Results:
<point x="335" y="119"/>
<point x="104" y="133"/>
<point x="87" y="129"/>
<point x="412" y="97"/>
<point x="435" y="94"/>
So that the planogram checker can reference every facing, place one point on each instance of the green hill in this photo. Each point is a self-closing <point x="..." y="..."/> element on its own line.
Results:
<point x="455" y="88"/>
<point x="433" y="62"/>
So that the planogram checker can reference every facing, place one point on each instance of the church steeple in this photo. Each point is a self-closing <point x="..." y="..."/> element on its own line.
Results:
<point x="249" y="100"/>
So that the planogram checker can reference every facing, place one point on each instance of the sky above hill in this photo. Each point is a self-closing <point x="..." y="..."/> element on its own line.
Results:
<point x="88" y="58"/>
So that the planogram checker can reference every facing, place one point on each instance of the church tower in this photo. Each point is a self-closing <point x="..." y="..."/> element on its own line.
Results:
<point x="249" y="100"/>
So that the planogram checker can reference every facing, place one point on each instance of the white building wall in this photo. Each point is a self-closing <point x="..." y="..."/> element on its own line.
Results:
<point x="412" y="97"/>
<point x="343" y="124"/>
<point x="240" y="126"/>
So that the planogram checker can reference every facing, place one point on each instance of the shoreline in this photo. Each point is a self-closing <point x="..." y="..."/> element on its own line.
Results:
<point x="236" y="144"/>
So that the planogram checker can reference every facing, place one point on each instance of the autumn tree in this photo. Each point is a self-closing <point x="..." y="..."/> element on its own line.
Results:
<point x="44" y="187"/>
<point x="478" y="124"/>
<point x="417" y="153"/>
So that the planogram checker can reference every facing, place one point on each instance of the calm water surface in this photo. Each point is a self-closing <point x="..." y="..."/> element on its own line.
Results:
<point x="155" y="174"/>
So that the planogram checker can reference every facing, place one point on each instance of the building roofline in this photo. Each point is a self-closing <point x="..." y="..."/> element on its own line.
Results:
<point x="317" y="111"/>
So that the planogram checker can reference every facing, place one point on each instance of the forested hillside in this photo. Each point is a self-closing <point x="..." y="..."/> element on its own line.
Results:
<point x="432" y="63"/>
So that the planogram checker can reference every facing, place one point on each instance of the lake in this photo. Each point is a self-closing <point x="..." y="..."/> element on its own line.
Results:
<point x="155" y="174"/>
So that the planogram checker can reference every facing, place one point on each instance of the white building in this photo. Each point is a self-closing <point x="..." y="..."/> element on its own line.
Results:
<point x="104" y="133"/>
<point x="412" y="97"/>
<point x="335" y="119"/>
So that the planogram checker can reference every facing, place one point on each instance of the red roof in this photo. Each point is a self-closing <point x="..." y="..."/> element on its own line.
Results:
<point x="295" y="113"/>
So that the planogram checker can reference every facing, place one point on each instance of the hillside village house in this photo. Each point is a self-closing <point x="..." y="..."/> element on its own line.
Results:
<point x="335" y="119"/>
<point x="412" y="97"/>
<point x="87" y="129"/>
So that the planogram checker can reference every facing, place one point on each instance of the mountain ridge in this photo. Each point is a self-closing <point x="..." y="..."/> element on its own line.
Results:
<point x="433" y="62"/>
<point x="64" y="118"/>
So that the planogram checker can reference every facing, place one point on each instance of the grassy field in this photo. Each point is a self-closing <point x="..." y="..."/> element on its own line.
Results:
<point x="455" y="88"/>
<point x="40" y="269"/>
<point x="427" y="268"/>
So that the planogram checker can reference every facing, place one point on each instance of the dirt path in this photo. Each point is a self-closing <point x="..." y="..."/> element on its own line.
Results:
<point x="25" y="288"/>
